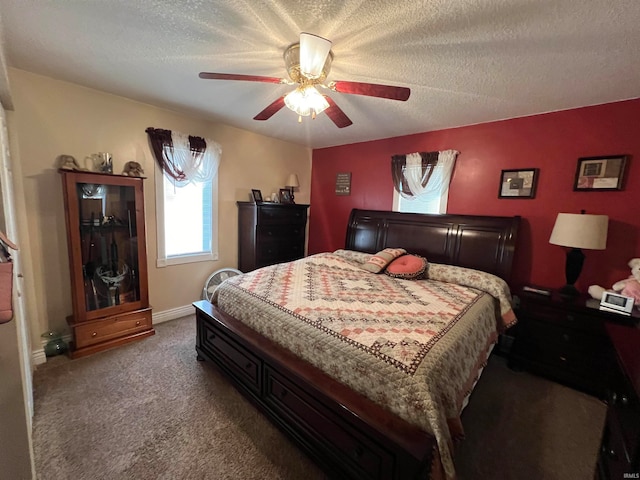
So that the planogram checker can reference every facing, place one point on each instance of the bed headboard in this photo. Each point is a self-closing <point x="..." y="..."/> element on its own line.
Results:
<point x="480" y="242"/>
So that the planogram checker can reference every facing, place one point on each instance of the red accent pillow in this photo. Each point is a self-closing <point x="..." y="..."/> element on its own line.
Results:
<point x="407" y="267"/>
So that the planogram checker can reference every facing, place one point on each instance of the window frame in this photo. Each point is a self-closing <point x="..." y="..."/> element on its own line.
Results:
<point x="164" y="260"/>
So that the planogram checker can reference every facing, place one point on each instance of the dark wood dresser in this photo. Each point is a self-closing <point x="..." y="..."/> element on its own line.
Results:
<point x="270" y="233"/>
<point x="620" y="448"/>
<point x="565" y="340"/>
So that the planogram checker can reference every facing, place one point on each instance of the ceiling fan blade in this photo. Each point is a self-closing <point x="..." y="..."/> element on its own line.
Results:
<point x="337" y="116"/>
<point x="271" y="110"/>
<point x="246" y="78"/>
<point x="371" y="90"/>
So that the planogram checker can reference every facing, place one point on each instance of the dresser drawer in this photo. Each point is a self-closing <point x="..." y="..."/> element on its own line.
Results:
<point x="561" y="360"/>
<point x="280" y="232"/>
<point x="558" y="339"/>
<point x="361" y="456"/>
<point x="291" y="251"/>
<point x="279" y="251"/>
<point x="111" y="328"/>
<point x="276" y="215"/>
<point x="566" y="319"/>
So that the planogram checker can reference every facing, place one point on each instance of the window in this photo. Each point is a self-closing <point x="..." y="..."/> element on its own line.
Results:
<point x="421" y="181"/>
<point x="419" y="204"/>
<point x="186" y="221"/>
<point x="186" y="196"/>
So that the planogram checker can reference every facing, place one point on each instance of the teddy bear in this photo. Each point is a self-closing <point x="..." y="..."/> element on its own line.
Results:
<point x="629" y="287"/>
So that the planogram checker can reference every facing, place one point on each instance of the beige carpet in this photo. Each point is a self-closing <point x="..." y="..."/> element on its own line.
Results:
<point x="149" y="410"/>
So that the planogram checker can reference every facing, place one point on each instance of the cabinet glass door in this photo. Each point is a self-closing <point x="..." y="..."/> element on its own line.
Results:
<point x="109" y="246"/>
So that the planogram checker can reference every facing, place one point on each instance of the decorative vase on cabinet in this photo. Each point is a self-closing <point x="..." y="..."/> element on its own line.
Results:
<point x="107" y="260"/>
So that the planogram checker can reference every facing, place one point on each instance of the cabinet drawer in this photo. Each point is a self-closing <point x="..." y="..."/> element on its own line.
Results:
<point x="276" y="215"/>
<point x="110" y="328"/>
<point x="240" y="363"/>
<point x="364" y="458"/>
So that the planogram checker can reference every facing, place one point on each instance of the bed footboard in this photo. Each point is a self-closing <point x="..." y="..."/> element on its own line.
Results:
<point x="346" y="434"/>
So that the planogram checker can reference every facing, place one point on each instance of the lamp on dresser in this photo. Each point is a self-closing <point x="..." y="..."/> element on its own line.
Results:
<point x="292" y="182"/>
<point x="578" y="231"/>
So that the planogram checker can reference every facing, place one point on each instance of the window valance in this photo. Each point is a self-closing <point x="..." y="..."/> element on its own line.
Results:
<point x="184" y="158"/>
<point x="422" y="174"/>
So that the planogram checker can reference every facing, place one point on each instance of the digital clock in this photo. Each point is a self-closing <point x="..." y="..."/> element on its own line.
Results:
<point x="615" y="302"/>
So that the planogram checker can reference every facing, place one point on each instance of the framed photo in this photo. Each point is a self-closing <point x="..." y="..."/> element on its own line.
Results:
<point x="257" y="196"/>
<point x="518" y="183"/>
<point x="600" y="173"/>
<point x="285" y="196"/>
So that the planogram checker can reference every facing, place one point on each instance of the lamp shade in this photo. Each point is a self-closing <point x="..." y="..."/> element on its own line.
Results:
<point x="577" y="230"/>
<point x="292" y="181"/>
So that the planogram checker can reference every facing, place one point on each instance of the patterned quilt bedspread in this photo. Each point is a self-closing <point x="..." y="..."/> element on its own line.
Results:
<point x="412" y="346"/>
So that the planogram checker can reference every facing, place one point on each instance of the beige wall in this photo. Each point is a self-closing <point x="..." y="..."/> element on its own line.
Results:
<point x="52" y="117"/>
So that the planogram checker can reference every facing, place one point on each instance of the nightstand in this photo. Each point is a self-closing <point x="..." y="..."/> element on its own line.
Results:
<point x="620" y="447"/>
<point x="565" y="340"/>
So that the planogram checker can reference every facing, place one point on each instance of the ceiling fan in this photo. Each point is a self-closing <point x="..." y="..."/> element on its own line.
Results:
<point x="308" y="63"/>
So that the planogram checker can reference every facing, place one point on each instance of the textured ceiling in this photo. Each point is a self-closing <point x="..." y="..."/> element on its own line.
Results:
<point x="466" y="61"/>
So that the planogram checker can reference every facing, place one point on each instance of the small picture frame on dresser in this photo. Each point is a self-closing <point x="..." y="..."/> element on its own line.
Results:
<point x="256" y="195"/>
<point x="285" y="196"/>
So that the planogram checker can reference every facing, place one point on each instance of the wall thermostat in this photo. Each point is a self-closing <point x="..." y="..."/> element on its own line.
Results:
<point x="614" y="302"/>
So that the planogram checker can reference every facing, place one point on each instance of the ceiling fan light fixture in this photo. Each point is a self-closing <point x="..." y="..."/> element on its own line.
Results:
<point x="313" y="53"/>
<point x="306" y="100"/>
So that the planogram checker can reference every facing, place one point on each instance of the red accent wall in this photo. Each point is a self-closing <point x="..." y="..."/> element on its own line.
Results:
<point x="552" y="142"/>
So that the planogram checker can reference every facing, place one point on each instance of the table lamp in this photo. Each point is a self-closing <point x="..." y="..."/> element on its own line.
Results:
<point x="578" y="231"/>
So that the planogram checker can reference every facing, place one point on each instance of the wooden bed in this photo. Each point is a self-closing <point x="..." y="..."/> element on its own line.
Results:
<point x="347" y="434"/>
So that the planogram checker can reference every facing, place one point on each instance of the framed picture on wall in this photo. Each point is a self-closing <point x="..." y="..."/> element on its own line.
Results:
<point x="518" y="183"/>
<point x="600" y="173"/>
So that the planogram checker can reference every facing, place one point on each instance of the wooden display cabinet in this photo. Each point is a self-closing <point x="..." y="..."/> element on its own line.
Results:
<point x="107" y="260"/>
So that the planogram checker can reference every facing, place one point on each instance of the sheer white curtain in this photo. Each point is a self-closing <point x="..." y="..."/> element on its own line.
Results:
<point x="197" y="166"/>
<point x="427" y="180"/>
<point x="185" y="158"/>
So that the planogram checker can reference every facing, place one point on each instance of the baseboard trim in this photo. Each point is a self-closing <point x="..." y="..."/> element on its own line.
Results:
<point x="38" y="357"/>
<point x="172" y="314"/>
